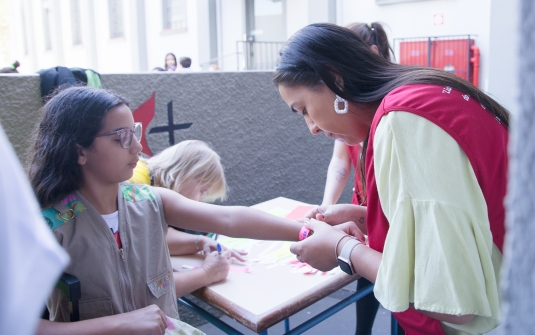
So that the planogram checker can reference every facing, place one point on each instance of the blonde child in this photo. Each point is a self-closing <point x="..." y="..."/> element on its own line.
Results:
<point x="192" y="169"/>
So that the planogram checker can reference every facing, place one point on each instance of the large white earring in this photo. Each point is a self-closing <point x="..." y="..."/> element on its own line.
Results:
<point x="337" y="101"/>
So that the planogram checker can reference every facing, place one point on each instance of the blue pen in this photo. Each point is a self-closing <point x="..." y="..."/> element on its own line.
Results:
<point x="219" y="248"/>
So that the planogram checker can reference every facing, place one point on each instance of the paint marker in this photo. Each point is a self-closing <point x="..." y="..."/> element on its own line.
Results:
<point x="219" y="248"/>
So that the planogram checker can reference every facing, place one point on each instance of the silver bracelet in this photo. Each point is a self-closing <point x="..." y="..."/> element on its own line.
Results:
<point x="337" y="243"/>
<point x="196" y="243"/>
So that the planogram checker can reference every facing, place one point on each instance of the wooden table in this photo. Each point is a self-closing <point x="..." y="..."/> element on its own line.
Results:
<point x="268" y="293"/>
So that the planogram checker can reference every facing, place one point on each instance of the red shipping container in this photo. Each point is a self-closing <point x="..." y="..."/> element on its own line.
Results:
<point x="451" y="55"/>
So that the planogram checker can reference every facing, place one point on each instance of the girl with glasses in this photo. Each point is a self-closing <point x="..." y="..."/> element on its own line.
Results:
<point x="85" y="147"/>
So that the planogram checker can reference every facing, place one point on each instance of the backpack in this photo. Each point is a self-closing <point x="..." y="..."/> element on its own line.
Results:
<point x="59" y="76"/>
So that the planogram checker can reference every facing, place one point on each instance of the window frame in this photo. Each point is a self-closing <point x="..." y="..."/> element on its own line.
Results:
<point x="76" y="24"/>
<point x="115" y="19"/>
<point x="169" y="18"/>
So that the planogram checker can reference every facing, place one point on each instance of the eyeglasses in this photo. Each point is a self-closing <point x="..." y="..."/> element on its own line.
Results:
<point x="125" y="135"/>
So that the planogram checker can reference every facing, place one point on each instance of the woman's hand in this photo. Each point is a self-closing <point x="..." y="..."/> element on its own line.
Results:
<point x="209" y="245"/>
<point x="318" y="249"/>
<point x="217" y="265"/>
<point x="340" y="213"/>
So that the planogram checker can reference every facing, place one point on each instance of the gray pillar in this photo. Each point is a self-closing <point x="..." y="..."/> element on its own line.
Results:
<point x="518" y="273"/>
<point x="332" y="11"/>
<point x="212" y="19"/>
<point x="92" y="55"/>
<point x="141" y="36"/>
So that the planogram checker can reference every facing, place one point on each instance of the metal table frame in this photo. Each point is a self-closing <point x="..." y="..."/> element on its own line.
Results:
<point x="297" y="330"/>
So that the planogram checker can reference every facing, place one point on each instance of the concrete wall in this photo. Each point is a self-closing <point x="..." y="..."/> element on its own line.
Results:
<point x="267" y="151"/>
<point x="19" y="102"/>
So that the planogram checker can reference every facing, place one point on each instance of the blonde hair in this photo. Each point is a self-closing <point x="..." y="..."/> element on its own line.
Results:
<point x="189" y="161"/>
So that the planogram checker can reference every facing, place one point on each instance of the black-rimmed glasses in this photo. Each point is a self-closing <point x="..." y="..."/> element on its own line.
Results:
<point x="125" y="134"/>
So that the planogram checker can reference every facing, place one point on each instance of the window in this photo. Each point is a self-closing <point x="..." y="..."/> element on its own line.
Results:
<point x="269" y="21"/>
<point x="76" y="25"/>
<point x="175" y="14"/>
<point x="46" y="26"/>
<point x="115" y="12"/>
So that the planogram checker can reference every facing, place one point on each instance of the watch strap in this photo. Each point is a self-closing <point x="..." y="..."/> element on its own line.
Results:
<point x="345" y="254"/>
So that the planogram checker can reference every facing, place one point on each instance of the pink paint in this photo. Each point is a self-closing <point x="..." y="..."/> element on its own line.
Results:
<point x="170" y="324"/>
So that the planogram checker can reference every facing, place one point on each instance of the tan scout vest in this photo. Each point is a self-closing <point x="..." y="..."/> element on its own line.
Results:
<point x="114" y="280"/>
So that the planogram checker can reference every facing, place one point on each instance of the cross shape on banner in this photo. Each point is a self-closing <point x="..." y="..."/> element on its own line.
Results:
<point x="171" y="127"/>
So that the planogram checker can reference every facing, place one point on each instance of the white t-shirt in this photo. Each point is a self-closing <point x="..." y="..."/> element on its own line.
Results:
<point x="112" y="220"/>
<point x="31" y="260"/>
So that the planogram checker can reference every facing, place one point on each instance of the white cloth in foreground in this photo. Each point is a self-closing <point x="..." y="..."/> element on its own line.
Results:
<point x="31" y="260"/>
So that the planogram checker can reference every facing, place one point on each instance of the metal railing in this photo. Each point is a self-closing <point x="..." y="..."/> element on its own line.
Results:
<point x="254" y="55"/>
<point x="454" y="54"/>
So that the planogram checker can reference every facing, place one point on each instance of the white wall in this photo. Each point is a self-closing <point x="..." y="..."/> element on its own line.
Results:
<point x="296" y="15"/>
<point x="113" y="54"/>
<point x="73" y="55"/>
<point x="15" y="40"/>
<point x="504" y="49"/>
<point x="300" y="13"/>
<point x="202" y="36"/>
<point x="44" y="59"/>
<point x="231" y="26"/>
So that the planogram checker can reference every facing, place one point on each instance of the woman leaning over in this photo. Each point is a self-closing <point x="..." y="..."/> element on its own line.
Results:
<point x="435" y="179"/>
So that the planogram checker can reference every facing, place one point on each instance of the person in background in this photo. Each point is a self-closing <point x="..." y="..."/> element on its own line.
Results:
<point x="185" y="63"/>
<point x="339" y="169"/>
<point x="11" y="69"/>
<point x="158" y="69"/>
<point x="170" y="62"/>
<point x="190" y="168"/>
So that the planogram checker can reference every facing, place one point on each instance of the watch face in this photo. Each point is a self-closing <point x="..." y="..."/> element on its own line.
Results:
<point x="345" y="267"/>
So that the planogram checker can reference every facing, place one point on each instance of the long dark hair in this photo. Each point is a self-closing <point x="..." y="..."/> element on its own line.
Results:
<point x="340" y="59"/>
<point x="72" y="117"/>
<point x="373" y="34"/>
<point x="176" y="64"/>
